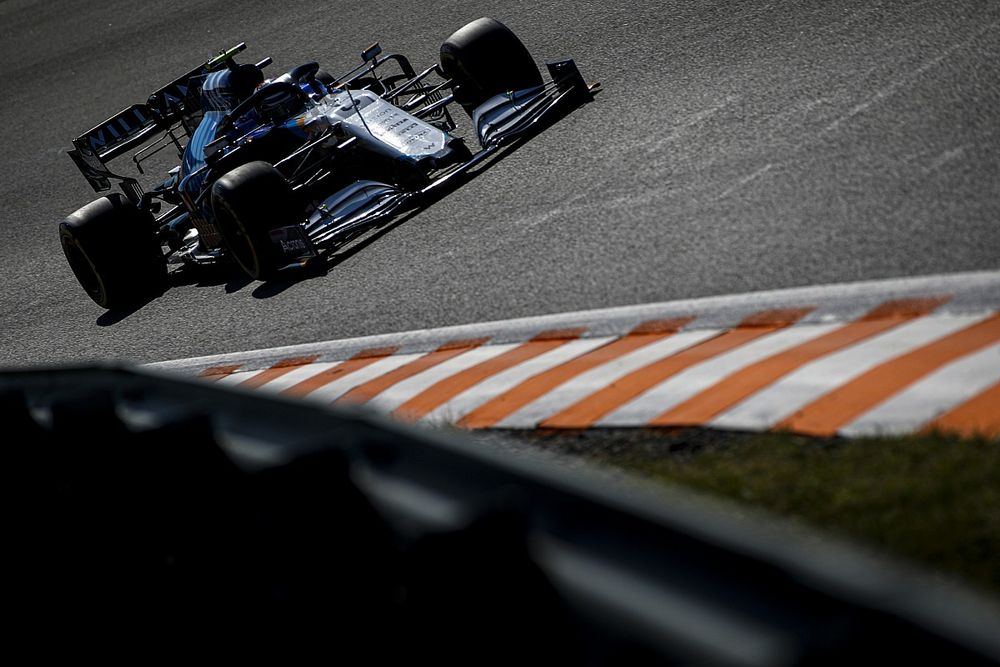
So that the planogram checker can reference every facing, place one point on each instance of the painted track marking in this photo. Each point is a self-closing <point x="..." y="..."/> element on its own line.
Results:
<point x="877" y="357"/>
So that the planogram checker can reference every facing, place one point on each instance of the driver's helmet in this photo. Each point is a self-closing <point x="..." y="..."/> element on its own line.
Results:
<point x="280" y="99"/>
<point x="224" y="89"/>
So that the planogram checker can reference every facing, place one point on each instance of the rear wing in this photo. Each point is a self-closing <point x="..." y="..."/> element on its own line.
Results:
<point x="175" y="104"/>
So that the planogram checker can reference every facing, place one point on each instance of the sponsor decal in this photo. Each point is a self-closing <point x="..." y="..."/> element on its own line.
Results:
<point x="293" y="242"/>
<point x="117" y="129"/>
<point x="289" y="245"/>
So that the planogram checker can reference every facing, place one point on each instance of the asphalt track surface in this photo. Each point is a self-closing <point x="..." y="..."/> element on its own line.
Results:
<point x="736" y="146"/>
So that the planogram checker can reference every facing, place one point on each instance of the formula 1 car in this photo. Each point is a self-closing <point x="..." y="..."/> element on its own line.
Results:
<point x="277" y="173"/>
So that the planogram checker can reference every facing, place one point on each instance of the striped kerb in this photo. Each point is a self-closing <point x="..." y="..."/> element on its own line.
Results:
<point x="365" y="392"/>
<point x="899" y="368"/>
<point x="357" y="362"/>
<point x="510" y="401"/>
<point x="275" y="371"/>
<point x="977" y="417"/>
<point x="826" y="415"/>
<point x="738" y="386"/>
<point x="448" y="388"/>
<point x="219" y="372"/>
<point x="587" y="412"/>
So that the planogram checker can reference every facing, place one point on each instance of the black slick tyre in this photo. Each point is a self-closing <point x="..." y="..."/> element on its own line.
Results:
<point x="486" y="58"/>
<point x="249" y="202"/>
<point x="112" y="248"/>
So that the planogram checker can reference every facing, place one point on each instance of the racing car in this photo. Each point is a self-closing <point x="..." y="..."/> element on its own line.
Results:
<point x="277" y="173"/>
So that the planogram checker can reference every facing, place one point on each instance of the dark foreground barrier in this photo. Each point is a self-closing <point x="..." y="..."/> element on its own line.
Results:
<point x="159" y="518"/>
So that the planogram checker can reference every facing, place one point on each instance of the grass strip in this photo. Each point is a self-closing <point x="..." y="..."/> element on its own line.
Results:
<point x="933" y="500"/>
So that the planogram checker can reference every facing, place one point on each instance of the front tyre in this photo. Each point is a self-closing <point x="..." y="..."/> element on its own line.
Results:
<point x="486" y="58"/>
<point x="248" y="202"/>
<point x="112" y="248"/>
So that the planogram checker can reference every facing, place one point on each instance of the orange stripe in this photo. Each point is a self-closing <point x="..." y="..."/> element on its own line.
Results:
<point x="509" y="402"/>
<point x="446" y="389"/>
<point x="718" y="398"/>
<point x="218" y="372"/>
<point x="323" y="378"/>
<point x="365" y="392"/>
<point x="977" y="417"/>
<point x="827" y="414"/>
<point x="588" y="411"/>
<point x="908" y="308"/>
<point x="276" y="371"/>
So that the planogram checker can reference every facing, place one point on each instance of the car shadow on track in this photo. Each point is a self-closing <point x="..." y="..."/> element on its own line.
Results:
<point x="224" y="273"/>
<point x="206" y="276"/>
<point x="109" y="318"/>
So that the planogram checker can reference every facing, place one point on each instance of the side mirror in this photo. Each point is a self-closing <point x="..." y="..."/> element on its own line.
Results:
<point x="305" y="72"/>
<point x="372" y="52"/>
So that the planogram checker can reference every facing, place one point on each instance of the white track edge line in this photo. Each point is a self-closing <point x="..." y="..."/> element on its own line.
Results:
<point x="972" y="292"/>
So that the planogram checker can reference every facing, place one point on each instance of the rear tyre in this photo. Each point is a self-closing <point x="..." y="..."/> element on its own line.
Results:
<point x="248" y="203"/>
<point x="112" y="248"/>
<point x="486" y="58"/>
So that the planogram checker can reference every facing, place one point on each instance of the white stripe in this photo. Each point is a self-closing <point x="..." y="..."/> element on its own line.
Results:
<point x="474" y="396"/>
<point x="932" y="396"/>
<point x="972" y="293"/>
<point x="810" y="382"/>
<point x="296" y="376"/>
<point x="213" y="86"/>
<point x="237" y="377"/>
<point x="677" y="389"/>
<point x="599" y="377"/>
<point x="206" y="131"/>
<point x="340" y="386"/>
<point x="399" y="393"/>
